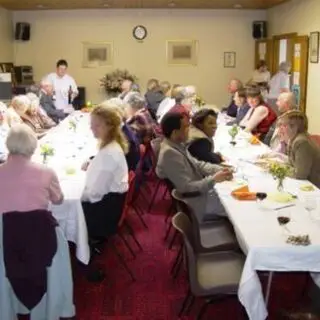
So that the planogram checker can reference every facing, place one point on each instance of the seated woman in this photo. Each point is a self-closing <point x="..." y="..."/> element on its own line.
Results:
<point x="106" y="175"/>
<point x="25" y="185"/>
<point x="153" y="96"/>
<point x="18" y="106"/>
<point x="260" y="116"/>
<point x="240" y="99"/>
<point x="200" y="141"/>
<point x="36" y="120"/>
<point x="133" y="154"/>
<point x="303" y="152"/>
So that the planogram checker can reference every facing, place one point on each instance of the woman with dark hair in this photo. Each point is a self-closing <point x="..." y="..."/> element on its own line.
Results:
<point x="201" y="133"/>
<point x="260" y="116"/>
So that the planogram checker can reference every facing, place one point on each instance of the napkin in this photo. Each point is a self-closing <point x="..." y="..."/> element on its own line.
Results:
<point x="243" y="193"/>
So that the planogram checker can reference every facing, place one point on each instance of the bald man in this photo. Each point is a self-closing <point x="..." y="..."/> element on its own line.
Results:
<point x="285" y="102"/>
<point x="233" y="87"/>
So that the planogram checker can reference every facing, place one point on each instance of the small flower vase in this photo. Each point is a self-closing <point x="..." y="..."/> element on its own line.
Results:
<point x="44" y="158"/>
<point x="233" y="141"/>
<point x="280" y="185"/>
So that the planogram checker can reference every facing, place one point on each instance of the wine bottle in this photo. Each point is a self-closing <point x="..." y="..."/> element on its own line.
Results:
<point x="70" y="95"/>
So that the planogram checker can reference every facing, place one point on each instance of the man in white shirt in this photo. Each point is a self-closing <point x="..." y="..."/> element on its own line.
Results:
<point x="64" y="86"/>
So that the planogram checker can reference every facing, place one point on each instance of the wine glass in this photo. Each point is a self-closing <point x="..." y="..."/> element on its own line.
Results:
<point x="284" y="218"/>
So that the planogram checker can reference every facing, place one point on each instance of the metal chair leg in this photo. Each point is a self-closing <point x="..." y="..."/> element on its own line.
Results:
<point x="173" y="239"/>
<point x="131" y="232"/>
<point x="168" y="232"/>
<point x="203" y="310"/>
<point x="154" y="195"/>
<point x="139" y="214"/>
<point x="127" y="244"/>
<point x="122" y="261"/>
<point x="185" y="303"/>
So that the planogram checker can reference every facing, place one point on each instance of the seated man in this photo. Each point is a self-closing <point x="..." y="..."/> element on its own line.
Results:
<point x="47" y="103"/>
<point x="285" y="102"/>
<point x="193" y="179"/>
<point x="240" y="100"/>
<point x="232" y="109"/>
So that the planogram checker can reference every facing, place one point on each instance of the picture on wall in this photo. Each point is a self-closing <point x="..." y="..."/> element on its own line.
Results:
<point x="96" y="54"/>
<point x="314" y="47"/>
<point x="229" y="59"/>
<point x="182" y="52"/>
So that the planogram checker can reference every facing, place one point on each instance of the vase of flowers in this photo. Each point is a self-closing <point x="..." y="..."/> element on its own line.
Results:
<point x="233" y="132"/>
<point x="46" y="151"/>
<point x="279" y="172"/>
<point x="73" y="125"/>
<point x="112" y="81"/>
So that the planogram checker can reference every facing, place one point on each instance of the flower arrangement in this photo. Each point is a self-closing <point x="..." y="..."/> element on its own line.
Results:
<point x="279" y="172"/>
<point x="46" y="151"/>
<point x="73" y="125"/>
<point x="88" y="107"/>
<point x="112" y="81"/>
<point x="233" y="132"/>
<point x="199" y="101"/>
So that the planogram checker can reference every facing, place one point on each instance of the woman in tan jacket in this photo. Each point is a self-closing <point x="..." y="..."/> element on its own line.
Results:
<point x="303" y="152"/>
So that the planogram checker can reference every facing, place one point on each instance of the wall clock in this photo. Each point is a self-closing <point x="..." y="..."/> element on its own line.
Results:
<point x="140" y="32"/>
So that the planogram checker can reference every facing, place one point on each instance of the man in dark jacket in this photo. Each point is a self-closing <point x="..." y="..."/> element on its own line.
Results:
<point x="47" y="103"/>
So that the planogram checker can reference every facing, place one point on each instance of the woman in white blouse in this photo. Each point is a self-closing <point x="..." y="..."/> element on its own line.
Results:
<point x="107" y="175"/>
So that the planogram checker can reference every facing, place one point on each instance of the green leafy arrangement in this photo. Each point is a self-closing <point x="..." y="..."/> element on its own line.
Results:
<point x="46" y="150"/>
<point x="233" y="131"/>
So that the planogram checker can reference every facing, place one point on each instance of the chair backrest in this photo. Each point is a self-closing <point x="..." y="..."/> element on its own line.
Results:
<point x="316" y="139"/>
<point x="129" y="197"/>
<point x="182" y="224"/>
<point x="183" y="207"/>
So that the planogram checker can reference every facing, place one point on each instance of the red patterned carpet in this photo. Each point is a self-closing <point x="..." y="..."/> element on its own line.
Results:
<point x="155" y="295"/>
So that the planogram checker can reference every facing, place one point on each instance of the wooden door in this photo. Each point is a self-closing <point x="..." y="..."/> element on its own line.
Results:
<point x="264" y="51"/>
<point x="300" y="58"/>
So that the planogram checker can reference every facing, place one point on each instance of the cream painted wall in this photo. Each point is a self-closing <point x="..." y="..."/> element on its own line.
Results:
<point x="58" y="34"/>
<point x="301" y="16"/>
<point x="6" y="36"/>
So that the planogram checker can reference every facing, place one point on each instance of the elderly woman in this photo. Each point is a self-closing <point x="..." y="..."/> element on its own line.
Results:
<point x="18" y="107"/>
<point x="303" y="153"/>
<point x="153" y="97"/>
<point x="260" y="116"/>
<point x="279" y="83"/>
<point x="201" y="133"/>
<point x="133" y="154"/>
<point x="24" y="185"/>
<point x="139" y="118"/>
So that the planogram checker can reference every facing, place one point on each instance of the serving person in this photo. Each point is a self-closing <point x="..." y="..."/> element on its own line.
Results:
<point x="200" y="138"/>
<point x="303" y="153"/>
<point x="25" y="185"/>
<point x="64" y="87"/>
<point x="106" y="175"/>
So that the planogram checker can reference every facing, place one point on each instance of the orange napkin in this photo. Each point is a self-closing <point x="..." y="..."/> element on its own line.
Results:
<point x="243" y="193"/>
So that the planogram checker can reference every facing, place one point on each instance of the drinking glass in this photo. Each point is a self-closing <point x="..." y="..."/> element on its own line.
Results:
<point x="284" y="217"/>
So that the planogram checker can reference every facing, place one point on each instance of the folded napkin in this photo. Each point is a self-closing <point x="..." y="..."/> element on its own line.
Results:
<point x="243" y="193"/>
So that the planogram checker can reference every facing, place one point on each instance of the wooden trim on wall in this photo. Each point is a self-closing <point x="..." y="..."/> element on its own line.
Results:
<point x="285" y="36"/>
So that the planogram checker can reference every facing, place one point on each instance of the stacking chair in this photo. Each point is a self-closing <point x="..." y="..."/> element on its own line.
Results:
<point x="214" y="276"/>
<point x="209" y="237"/>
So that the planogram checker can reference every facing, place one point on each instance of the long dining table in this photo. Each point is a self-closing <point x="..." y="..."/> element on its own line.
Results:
<point x="73" y="144"/>
<point x="261" y="237"/>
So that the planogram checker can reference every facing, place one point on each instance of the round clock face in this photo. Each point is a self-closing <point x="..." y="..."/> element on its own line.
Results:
<point x="140" y="32"/>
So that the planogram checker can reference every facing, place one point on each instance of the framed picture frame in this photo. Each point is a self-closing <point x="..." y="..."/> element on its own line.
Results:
<point x="182" y="52"/>
<point x="229" y="59"/>
<point x="314" y="47"/>
<point x="97" y="54"/>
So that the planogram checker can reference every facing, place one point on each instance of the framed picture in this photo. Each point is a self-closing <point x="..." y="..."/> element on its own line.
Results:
<point x="96" y="54"/>
<point x="314" y="47"/>
<point x="182" y="52"/>
<point x="229" y="59"/>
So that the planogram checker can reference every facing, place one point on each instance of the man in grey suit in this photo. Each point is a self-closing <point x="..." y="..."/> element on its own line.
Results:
<point x="193" y="179"/>
<point x="47" y="103"/>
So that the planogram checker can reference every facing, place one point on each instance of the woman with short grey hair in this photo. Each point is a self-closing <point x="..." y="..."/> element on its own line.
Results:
<point x="19" y="105"/>
<point x="25" y="185"/>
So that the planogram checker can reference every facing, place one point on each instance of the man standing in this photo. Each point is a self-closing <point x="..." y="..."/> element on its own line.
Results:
<point x="64" y="87"/>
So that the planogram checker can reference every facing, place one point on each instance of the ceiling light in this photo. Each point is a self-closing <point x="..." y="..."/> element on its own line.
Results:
<point x="171" y="4"/>
<point x="40" y="6"/>
<point x="106" y="5"/>
<point x="237" y="6"/>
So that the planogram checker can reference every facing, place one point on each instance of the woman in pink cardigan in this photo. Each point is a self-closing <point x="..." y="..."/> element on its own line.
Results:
<point x="24" y="185"/>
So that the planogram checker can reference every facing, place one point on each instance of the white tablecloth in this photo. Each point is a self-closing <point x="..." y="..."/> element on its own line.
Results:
<point x="71" y="149"/>
<point x="260" y="236"/>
